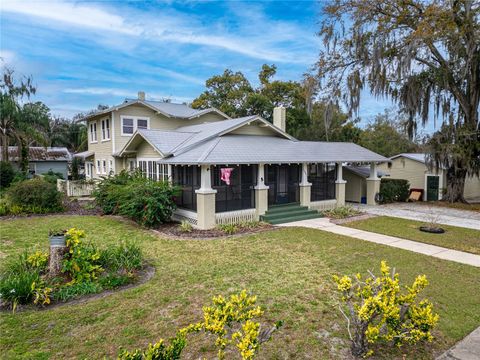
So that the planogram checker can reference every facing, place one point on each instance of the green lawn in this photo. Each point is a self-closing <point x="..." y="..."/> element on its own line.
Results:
<point x="454" y="237"/>
<point x="289" y="269"/>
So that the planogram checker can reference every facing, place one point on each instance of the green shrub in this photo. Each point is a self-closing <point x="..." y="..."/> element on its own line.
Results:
<point x="392" y="190"/>
<point x="34" y="196"/>
<point x="112" y="281"/>
<point x="16" y="288"/>
<point x="229" y="229"/>
<point x="7" y="174"/>
<point x="73" y="291"/>
<point x="185" y="227"/>
<point x="52" y="177"/>
<point x="341" y="212"/>
<point x="147" y="202"/>
<point x="124" y="257"/>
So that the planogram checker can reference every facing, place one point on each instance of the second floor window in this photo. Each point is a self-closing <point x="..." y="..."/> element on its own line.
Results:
<point x="106" y="129"/>
<point x="132" y="124"/>
<point x="93" y="132"/>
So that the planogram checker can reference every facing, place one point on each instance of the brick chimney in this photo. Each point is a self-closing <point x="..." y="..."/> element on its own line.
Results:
<point x="280" y="117"/>
<point x="141" y="95"/>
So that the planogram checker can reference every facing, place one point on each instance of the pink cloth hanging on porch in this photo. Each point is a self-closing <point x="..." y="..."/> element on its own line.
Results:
<point x="225" y="174"/>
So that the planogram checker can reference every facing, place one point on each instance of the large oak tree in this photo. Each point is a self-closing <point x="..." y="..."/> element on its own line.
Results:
<point x="424" y="55"/>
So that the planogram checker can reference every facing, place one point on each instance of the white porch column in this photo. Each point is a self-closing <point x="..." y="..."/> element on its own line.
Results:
<point x="305" y="187"/>
<point x="205" y="200"/>
<point x="261" y="191"/>
<point x="340" y="185"/>
<point x="373" y="184"/>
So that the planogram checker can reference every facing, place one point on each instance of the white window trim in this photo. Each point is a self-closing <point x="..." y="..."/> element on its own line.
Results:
<point x="167" y="176"/>
<point x="135" y="123"/>
<point x="90" y="133"/>
<point x="103" y="121"/>
<point x="98" y="167"/>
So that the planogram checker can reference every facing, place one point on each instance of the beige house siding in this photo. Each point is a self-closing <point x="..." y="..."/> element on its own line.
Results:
<point x="411" y="170"/>
<point x="356" y="186"/>
<point x="472" y="188"/>
<point x="145" y="150"/>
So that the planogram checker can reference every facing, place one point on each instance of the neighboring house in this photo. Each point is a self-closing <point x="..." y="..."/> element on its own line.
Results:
<point x="228" y="170"/>
<point x="42" y="159"/>
<point x="413" y="167"/>
<point x="356" y="178"/>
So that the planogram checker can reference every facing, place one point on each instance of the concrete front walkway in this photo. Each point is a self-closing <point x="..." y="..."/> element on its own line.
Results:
<point x="467" y="349"/>
<point x="423" y="212"/>
<point x="418" y="247"/>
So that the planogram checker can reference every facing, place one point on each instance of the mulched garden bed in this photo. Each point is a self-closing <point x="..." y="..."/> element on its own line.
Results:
<point x="172" y="230"/>
<point x="142" y="276"/>
<point x="71" y="206"/>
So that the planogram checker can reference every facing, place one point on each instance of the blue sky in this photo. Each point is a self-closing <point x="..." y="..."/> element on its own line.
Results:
<point x="85" y="53"/>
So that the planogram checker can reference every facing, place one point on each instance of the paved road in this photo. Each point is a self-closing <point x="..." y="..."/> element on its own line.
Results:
<point x="467" y="349"/>
<point x="421" y="212"/>
<point x="415" y="246"/>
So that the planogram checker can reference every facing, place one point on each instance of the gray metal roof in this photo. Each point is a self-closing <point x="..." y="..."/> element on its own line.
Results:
<point x="182" y="111"/>
<point x="420" y="157"/>
<point x="164" y="140"/>
<point x="251" y="149"/>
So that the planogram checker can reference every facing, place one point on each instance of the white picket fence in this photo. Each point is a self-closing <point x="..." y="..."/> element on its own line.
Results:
<point x="75" y="187"/>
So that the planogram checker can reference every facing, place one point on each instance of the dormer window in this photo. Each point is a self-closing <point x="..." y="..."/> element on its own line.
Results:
<point x="142" y="123"/>
<point x="127" y="126"/>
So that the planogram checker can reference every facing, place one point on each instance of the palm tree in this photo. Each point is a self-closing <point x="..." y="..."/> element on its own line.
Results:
<point x="11" y="92"/>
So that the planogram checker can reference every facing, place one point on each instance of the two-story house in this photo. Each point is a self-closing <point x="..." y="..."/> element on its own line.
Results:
<point x="109" y="130"/>
<point x="228" y="170"/>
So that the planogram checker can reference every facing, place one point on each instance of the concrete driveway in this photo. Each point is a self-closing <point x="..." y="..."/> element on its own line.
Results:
<point x="422" y="212"/>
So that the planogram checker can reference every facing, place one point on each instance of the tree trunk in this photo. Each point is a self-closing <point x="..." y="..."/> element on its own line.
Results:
<point x="23" y="156"/>
<point x="5" y="147"/>
<point x="455" y="185"/>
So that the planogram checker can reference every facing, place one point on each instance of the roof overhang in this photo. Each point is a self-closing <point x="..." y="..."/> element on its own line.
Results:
<point x="136" y="139"/>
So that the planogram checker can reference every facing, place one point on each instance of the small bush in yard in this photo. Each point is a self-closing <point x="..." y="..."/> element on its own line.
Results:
<point x="147" y="202"/>
<point x="231" y="321"/>
<point x="185" y="227"/>
<point x="7" y="174"/>
<point x="392" y="190"/>
<point x="125" y="257"/>
<point x="341" y="212"/>
<point x="34" y="196"/>
<point x="52" y="176"/>
<point x="377" y="310"/>
<point x="228" y="229"/>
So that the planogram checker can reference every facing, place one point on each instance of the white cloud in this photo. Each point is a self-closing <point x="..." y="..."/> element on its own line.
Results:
<point x="260" y="38"/>
<point x="99" y="91"/>
<point x="7" y="57"/>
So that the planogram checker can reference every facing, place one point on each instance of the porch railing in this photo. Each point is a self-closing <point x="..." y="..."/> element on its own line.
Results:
<point x="235" y="217"/>
<point x="323" y="205"/>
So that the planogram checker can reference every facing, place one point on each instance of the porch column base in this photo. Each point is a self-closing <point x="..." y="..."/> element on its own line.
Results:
<point x="340" y="192"/>
<point x="373" y="187"/>
<point x="305" y="194"/>
<point x="261" y="199"/>
<point x="206" y="209"/>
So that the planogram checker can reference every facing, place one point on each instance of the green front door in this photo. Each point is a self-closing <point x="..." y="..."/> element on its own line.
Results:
<point x="432" y="188"/>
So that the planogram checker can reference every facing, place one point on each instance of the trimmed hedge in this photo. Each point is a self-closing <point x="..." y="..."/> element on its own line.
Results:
<point x="393" y="190"/>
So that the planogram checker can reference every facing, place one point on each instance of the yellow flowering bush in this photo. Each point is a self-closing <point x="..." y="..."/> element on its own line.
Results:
<point x="230" y="320"/>
<point x="38" y="259"/>
<point x="378" y="311"/>
<point x="82" y="260"/>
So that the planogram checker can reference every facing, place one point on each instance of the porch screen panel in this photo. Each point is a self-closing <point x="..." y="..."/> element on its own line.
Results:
<point x="240" y="193"/>
<point x="187" y="178"/>
<point x="322" y="178"/>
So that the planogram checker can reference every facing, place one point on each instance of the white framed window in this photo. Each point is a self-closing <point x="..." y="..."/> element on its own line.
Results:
<point x="132" y="165"/>
<point x="110" y="166"/>
<point x="163" y="174"/>
<point x="98" y="170"/>
<point x="104" y="167"/>
<point x="130" y="124"/>
<point x="105" y="129"/>
<point x="152" y="170"/>
<point x="93" y="132"/>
